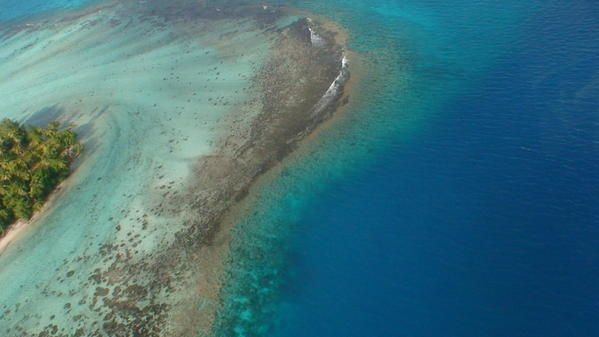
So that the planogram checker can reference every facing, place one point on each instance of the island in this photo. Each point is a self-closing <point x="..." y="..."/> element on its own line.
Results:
<point x="33" y="161"/>
<point x="185" y="108"/>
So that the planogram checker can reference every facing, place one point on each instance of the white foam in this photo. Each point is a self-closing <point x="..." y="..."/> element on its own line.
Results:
<point x="315" y="39"/>
<point x="333" y="89"/>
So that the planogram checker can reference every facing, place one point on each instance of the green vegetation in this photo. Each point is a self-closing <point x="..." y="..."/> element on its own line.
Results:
<point x="33" y="161"/>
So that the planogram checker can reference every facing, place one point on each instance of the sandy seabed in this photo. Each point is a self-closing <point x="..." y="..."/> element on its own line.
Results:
<point x="180" y="106"/>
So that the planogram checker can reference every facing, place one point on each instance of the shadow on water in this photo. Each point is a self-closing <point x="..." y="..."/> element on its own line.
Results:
<point x="45" y="115"/>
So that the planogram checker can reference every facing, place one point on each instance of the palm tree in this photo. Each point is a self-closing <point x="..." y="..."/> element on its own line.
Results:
<point x="32" y="162"/>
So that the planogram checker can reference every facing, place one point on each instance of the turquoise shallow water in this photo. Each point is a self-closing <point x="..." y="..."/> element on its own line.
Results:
<point x="147" y="99"/>
<point x="457" y="196"/>
<point x="14" y="9"/>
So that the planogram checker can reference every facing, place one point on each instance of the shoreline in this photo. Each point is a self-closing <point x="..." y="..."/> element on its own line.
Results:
<point x="15" y="230"/>
<point x="299" y="88"/>
<point x="12" y="233"/>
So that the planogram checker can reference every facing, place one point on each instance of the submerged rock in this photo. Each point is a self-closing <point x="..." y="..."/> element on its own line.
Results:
<point x="139" y="81"/>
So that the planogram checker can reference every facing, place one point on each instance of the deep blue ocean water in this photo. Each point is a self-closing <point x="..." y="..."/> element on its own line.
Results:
<point x="458" y="195"/>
